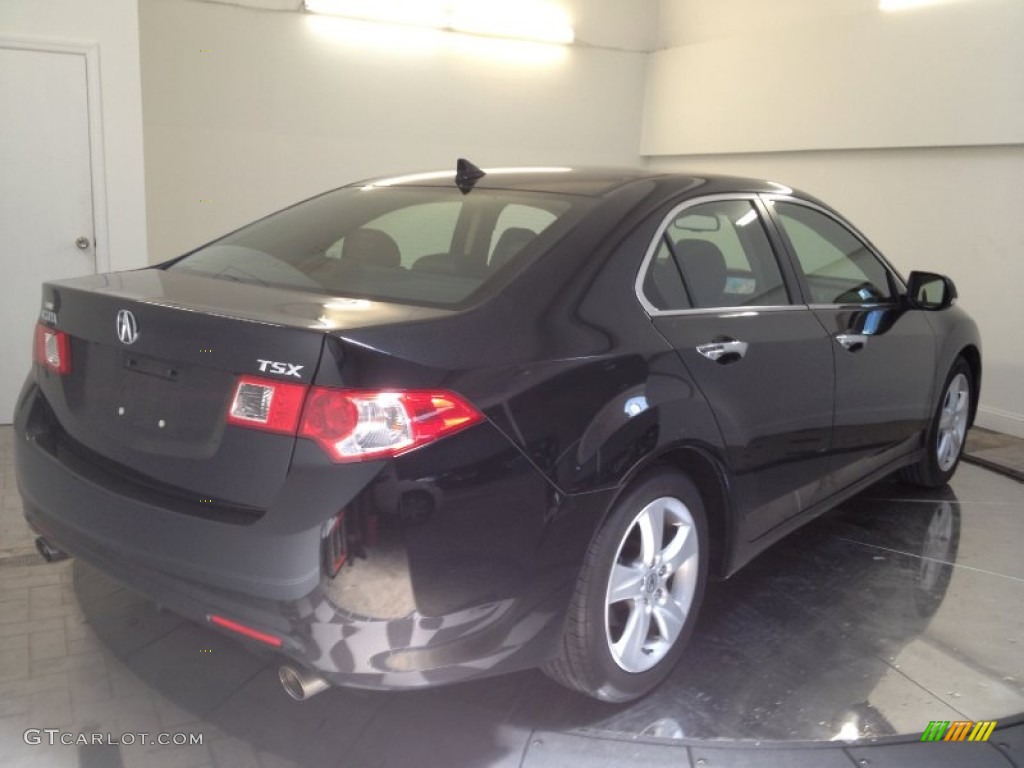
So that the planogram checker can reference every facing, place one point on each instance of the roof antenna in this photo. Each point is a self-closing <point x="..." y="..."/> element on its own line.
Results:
<point x="467" y="175"/>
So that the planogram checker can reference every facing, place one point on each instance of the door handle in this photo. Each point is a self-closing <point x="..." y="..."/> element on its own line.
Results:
<point x="853" y="342"/>
<point x="724" y="351"/>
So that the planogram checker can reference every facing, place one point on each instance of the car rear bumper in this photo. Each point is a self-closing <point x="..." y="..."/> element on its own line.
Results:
<point x="445" y="584"/>
<point x="71" y="496"/>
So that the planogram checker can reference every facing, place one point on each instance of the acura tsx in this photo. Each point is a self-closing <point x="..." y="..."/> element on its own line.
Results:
<point x="432" y="427"/>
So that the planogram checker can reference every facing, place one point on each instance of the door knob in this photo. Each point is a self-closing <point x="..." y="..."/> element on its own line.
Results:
<point x="83" y="243"/>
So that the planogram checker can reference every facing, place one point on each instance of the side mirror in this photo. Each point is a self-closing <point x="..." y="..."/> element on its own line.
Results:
<point x="927" y="290"/>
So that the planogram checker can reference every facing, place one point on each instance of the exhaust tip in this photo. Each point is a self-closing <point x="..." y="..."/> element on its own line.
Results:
<point x="48" y="552"/>
<point x="299" y="684"/>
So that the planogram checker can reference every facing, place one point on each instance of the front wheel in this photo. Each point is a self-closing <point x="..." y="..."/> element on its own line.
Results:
<point x="638" y="592"/>
<point x="948" y="431"/>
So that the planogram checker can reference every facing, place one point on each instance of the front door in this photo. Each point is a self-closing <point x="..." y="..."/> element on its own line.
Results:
<point x="46" y="206"/>
<point x="718" y="295"/>
<point x="885" y="351"/>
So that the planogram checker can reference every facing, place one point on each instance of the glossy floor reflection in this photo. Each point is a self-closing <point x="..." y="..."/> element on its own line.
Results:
<point x="899" y="608"/>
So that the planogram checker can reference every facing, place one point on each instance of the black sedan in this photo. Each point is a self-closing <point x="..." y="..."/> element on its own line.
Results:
<point x="438" y="426"/>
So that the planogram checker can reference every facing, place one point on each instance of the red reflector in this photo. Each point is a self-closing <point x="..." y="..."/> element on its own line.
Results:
<point x="249" y="632"/>
<point x="272" y="406"/>
<point x="336" y="544"/>
<point x="358" y="425"/>
<point x="53" y="349"/>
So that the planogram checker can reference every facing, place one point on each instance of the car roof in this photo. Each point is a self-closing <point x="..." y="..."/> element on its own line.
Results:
<point x="584" y="181"/>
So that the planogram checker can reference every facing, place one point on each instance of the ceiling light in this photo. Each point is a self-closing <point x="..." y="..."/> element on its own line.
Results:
<point x="535" y="20"/>
<point x="903" y="5"/>
<point x="408" y="12"/>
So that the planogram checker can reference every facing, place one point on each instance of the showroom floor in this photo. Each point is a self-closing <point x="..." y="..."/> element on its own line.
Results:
<point x="898" y="608"/>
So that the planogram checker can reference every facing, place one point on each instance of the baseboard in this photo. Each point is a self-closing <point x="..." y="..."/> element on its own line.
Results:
<point x="998" y="420"/>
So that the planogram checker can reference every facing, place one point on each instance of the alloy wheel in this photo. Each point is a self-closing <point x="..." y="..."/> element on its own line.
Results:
<point x="652" y="584"/>
<point x="953" y="422"/>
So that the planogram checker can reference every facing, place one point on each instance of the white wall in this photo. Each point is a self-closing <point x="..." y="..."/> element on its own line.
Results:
<point x="246" y="110"/>
<point x="112" y="25"/>
<point x="948" y="75"/>
<point x="911" y="138"/>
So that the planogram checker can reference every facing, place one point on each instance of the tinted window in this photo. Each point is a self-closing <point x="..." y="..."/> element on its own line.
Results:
<point x="420" y="245"/>
<point x="715" y="254"/>
<point x="516" y="226"/>
<point x="839" y="268"/>
<point x="663" y="285"/>
<point x="416" y="229"/>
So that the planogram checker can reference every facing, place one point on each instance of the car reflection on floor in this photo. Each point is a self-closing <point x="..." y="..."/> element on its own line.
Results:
<point x="884" y="614"/>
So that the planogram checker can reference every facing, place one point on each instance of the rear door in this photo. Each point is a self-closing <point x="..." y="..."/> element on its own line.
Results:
<point x="885" y="351"/>
<point x="716" y="291"/>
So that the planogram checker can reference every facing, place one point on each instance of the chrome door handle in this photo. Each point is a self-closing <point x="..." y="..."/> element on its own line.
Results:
<point x="853" y="342"/>
<point x="723" y="351"/>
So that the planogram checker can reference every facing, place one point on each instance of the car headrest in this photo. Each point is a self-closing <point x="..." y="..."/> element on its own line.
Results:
<point x="705" y="271"/>
<point x="370" y="247"/>
<point x="511" y="242"/>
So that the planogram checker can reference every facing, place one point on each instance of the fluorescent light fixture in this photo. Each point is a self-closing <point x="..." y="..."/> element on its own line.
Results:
<point x="518" y="19"/>
<point x="904" y="5"/>
<point x="415" y="13"/>
<point x="534" y="20"/>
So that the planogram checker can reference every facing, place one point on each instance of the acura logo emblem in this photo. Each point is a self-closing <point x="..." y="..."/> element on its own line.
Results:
<point x="127" y="329"/>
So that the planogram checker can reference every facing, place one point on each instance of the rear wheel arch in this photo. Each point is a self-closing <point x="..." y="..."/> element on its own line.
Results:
<point x="708" y="474"/>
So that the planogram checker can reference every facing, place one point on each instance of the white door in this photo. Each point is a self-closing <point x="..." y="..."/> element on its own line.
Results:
<point x="46" y="201"/>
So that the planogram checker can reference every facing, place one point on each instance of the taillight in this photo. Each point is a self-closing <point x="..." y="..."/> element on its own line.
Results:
<point x="53" y="349"/>
<point x="349" y="424"/>
<point x="356" y="425"/>
<point x="272" y="406"/>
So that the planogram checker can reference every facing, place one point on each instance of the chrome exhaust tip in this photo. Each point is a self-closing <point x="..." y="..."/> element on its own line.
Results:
<point x="299" y="684"/>
<point x="48" y="552"/>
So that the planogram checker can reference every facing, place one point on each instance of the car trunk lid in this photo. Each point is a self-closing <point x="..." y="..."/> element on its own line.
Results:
<point x="155" y="362"/>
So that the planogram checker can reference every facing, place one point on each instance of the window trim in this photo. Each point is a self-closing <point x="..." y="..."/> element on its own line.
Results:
<point x="766" y="220"/>
<point x="896" y="278"/>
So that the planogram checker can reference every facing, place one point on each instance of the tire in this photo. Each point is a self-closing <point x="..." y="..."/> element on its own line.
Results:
<point x="618" y="647"/>
<point x="947" y="433"/>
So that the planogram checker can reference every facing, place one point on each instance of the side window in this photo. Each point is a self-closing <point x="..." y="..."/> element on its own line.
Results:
<point x="663" y="285"/>
<point x="416" y="231"/>
<point x="516" y="226"/>
<point x="838" y="266"/>
<point x="723" y="256"/>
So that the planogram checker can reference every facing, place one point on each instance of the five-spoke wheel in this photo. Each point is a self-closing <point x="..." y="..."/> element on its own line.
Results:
<point x="947" y="432"/>
<point x="652" y="584"/>
<point x="639" y="591"/>
<point x="953" y="422"/>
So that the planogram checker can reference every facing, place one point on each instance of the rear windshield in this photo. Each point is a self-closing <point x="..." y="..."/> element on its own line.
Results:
<point x="426" y="245"/>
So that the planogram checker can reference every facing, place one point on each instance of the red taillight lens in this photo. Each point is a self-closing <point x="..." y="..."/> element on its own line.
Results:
<point x="53" y="349"/>
<point x="356" y="425"/>
<point x="272" y="406"/>
<point x="350" y="425"/>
